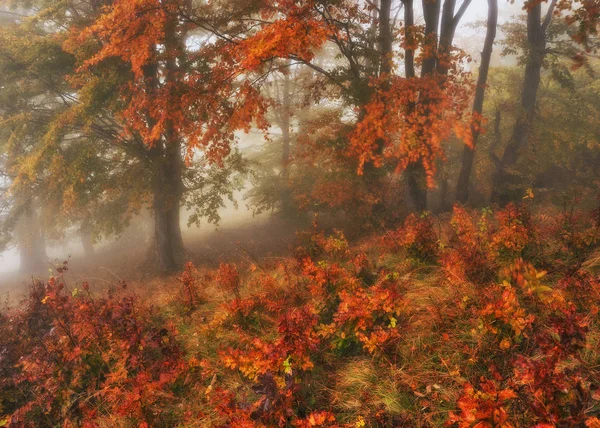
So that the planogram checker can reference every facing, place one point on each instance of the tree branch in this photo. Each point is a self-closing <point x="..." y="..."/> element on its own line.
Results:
<point x="461" y="11"/>
<point x="548" y="17"/>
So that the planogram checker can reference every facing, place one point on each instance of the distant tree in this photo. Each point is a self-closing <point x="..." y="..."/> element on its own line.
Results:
<point x="536" y="53"/>
<point x="542" y="40"/>
<point x="468" y="155"/>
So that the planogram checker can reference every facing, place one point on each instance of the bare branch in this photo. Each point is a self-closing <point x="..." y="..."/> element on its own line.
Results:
<point x="548" y="17"/>
<point x="461" y="11"/>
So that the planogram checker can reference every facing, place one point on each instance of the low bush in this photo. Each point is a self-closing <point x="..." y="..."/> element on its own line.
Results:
<point x="495" y="326"/>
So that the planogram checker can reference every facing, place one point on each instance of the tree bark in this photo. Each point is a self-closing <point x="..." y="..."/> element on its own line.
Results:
<point x="409" y="53"/>
<point x="415" y="173"/>
<point x="373" y="176"/>
<point x="166" y="183"/>
<point x="464" y="178"/>
<point x="431" y="13"/>
<point x="536" y="37"/>
<point x="385" y="40"/>
<point x="442" y="51"/>
<point x="417" y="187"/>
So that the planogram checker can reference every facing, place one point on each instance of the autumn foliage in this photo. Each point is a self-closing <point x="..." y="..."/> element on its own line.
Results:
<point x="498" y="322"/>
<point x="395" y="316"/>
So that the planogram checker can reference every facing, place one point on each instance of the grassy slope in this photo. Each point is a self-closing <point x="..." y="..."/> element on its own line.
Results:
<point x="424" y="325"/>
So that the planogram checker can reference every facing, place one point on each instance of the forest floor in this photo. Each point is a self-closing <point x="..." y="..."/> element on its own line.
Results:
<point x="238" y="241"/>
<point x="487" y="320"/>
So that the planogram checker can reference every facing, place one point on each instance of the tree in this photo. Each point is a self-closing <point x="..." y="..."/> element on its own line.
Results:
<point x="539" y="36"/>
<point x="124" y="124"/>
<point x="177" y="101"/>
<point x="442" y="54"/>
<point x="30" y="240"/>
<point x="286" y="91"/>
<point x="433" y="104"/>
<point x="536" y="39"/>
<point x="462" y="187"/>
<point x="369" y="84"/>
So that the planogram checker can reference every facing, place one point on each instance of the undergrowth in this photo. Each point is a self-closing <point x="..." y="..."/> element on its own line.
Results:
<point x="488" y="320"/>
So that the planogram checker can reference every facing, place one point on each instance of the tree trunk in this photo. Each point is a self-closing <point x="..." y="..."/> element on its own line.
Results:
<point x="31" y="241"/>
<point x="536" y="36"/>
<point x="286" y="199"/>
<point x="168" y="186"/>
<point x="447" y="31"/>
<point x="437" y="200"/>
<point x="168" y="241"/>
<point x="409" y="32"/>
<point x="385" y="40"/>
<point x="163" y="230"/>
<point x="431" y="13"/>
<point x="417" y="187"/>
<point x="464" y="178"/>
<point x="88" y="245"/>
<point x="166" y="163"/>
<point x="415" y="173"/>
<point x="87" y="241"/>
<point x="372" y="175"/>
<point x="437" y="196"/>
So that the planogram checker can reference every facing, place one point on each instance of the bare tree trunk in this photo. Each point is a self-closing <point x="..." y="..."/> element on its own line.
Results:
<point x="385" y="39"/>
<point x="87" y="241"/>
<point x="417" y="187"/>
<point x="464" y="178"/>
<point x="168" y="241"/>
<point x="163" y="223"/>
<point x="431" y="12"/>
<point x="414" y="174"/>
<point x="536" y="37"/>
<point x="370" y="63"/>
<point x="437" y="198"/>
<point x="286" y="200"/>
<point x="409" y="31"/>
<point x="174" y="169"/>
<point x="87" y="244"/>
<point x="30" y="241"/>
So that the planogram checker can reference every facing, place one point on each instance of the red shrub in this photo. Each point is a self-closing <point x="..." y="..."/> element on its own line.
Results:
<point x="84" y="356"/>
<point x="417" y="237"/>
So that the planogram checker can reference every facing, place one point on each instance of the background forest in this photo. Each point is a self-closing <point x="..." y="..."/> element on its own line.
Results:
<point x="422" y="189"/>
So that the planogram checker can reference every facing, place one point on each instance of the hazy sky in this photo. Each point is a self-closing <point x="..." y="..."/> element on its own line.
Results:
<point x="478" y="10"/>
